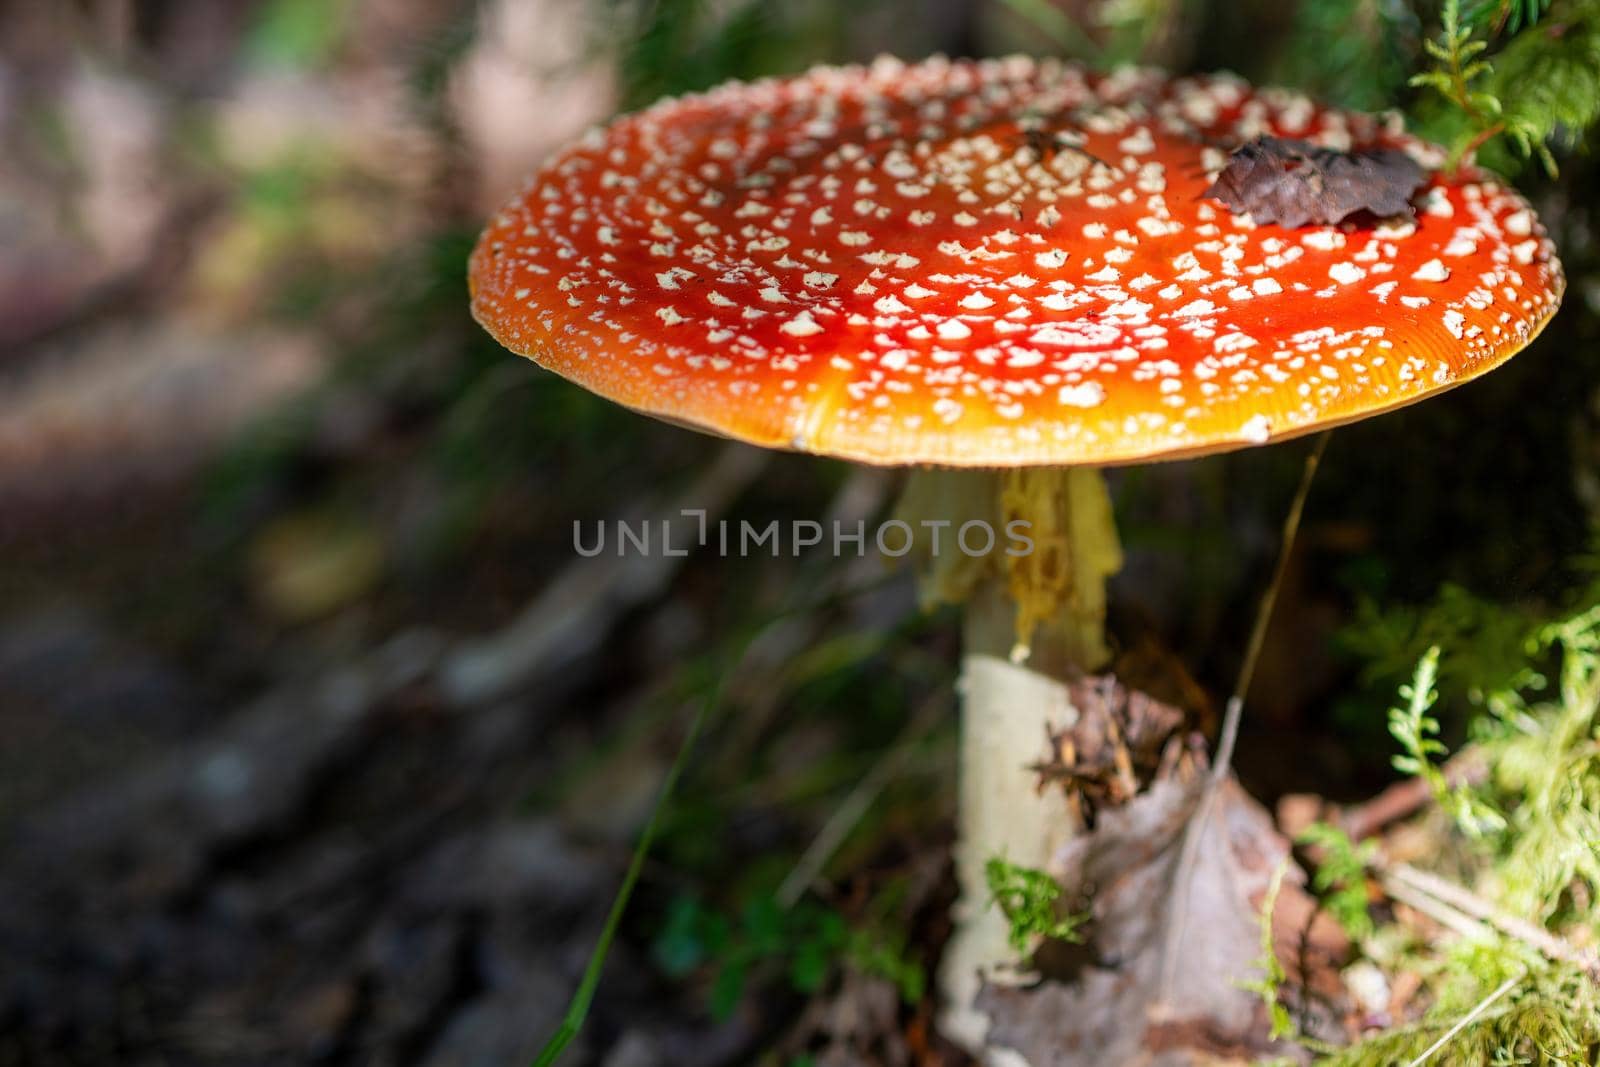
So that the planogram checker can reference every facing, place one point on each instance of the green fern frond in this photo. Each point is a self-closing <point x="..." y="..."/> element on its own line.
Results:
<point x="1411" y="725"/>
<point x="1417" y="732"/>
<point x="1458" y="68"/>
<point x="1341" y="877"/>
<point x="1548" y="81"/>
<point x="1541" y="87"/>
<point x="1507" y="16"/>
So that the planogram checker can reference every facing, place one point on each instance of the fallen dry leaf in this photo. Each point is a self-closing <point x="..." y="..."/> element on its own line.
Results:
<point x="1100" y="1006"/>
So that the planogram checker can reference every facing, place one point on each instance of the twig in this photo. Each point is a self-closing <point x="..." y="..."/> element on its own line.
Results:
<point x="1405" y="798"/>
<point x="1194" y="832"/>
<point x="1468" y="152"/>
<point x="1435" y="909"/>
<point x="1466" y="1020"/>
<point x="1467" y="902"/>
<point x="856" y="804"/>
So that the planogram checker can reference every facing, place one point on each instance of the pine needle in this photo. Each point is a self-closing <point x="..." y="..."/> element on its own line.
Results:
<point x="1467" y="1020"/>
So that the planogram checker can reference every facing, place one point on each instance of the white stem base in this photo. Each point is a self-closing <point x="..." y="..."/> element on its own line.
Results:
<point x="1005" y="711"/>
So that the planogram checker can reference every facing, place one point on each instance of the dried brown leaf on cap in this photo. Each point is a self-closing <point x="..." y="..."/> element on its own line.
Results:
<point x="1295" y="183"/>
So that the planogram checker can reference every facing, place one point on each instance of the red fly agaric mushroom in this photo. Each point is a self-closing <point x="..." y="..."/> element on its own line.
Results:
<point x="1020" y="269"/>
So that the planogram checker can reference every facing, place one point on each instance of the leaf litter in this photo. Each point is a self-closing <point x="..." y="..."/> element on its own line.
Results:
<point x="1098" y="1002"/>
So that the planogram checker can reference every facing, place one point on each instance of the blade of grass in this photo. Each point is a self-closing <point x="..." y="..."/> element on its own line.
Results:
<point x="850" y="812"/>
<point x="1466" y="1020"/>
<point x="583" y="997"/>
<point x="578" y="1008"/>
<point x="1194" y="833"/>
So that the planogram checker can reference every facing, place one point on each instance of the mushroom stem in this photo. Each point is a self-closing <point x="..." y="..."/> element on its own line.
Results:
<point x="1034" y="620"/>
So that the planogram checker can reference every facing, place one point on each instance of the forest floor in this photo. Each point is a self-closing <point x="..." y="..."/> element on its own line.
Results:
<point x="322" y="743"/>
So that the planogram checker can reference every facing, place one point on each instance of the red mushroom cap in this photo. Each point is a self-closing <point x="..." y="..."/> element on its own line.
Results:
<point x="994" y="264"/>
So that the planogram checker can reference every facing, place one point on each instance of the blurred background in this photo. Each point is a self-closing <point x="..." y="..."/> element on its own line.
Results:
<point x="318" y="743"/>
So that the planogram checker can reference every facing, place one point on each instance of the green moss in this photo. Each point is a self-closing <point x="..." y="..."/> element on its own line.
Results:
<point x="1552" y="1016"/>
<point x="1030" y="900"/>
<point x="1541" y="862"/>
